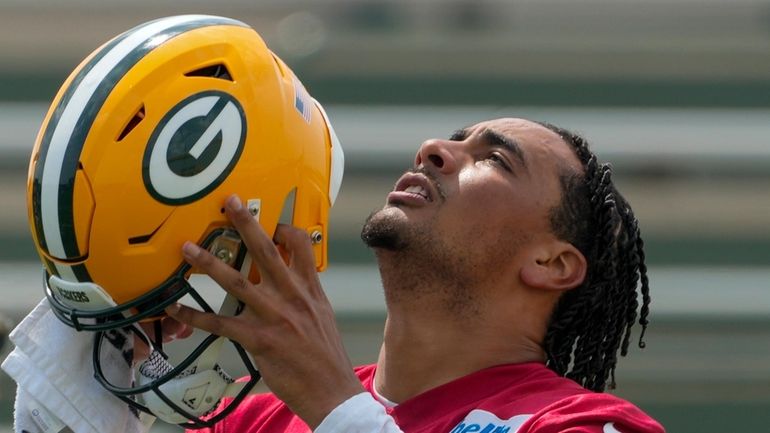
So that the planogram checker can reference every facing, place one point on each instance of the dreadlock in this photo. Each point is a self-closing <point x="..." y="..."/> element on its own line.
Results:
<point x="590" y="322"/>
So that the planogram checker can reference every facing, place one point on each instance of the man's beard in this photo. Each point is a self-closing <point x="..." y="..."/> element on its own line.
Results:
<point x="422" y="266"/>
<point x="382" y="231"/>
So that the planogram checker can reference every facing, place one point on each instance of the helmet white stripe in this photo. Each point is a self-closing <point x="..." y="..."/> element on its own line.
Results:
<point x="71" y="113"/>
<point x="65" y="272"/>
<point x="338" y="158"/>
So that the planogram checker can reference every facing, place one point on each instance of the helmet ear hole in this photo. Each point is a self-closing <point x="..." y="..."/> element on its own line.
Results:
<point x="214" y="71"/>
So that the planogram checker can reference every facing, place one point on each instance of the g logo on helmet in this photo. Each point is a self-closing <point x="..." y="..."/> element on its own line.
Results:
<point x="194" y="147"/>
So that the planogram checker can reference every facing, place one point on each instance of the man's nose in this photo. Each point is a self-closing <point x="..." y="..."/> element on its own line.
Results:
<point x="441" y="154"/>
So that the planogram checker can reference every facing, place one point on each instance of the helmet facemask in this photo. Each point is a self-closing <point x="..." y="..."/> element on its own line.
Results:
<point x="180" y="389"/>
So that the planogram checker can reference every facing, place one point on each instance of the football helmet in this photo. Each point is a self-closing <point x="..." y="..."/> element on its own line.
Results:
<point x="140" y="148"/>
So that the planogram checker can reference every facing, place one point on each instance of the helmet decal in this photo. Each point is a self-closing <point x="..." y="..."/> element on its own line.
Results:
<point x="194" y="147"/>
<point x="302" y="101"/>
<point x="66" y="132"/>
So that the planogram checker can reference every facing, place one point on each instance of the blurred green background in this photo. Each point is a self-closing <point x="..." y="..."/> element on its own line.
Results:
<point x="675" y="93"/>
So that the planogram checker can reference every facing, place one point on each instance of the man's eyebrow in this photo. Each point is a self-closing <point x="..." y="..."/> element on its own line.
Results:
<point x="496" y="139"/>
<point x="459" y="135"/>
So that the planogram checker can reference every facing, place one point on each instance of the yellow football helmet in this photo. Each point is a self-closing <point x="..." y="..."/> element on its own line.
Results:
<point x="142" y="145"/>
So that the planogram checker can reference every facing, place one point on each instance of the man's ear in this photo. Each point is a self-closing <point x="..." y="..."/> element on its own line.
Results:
<point x="557" y="266"/>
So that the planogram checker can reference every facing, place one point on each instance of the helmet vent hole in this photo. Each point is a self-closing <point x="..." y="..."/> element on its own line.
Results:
<point x="139" y="239"/>
<point x="143" y="239"/>
<point x="214" y="71"/>
<point x="136" y="120"/>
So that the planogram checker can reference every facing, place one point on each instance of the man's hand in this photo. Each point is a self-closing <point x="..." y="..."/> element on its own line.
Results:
<point x="171" y="329"/>
<point x="287" y="325"/>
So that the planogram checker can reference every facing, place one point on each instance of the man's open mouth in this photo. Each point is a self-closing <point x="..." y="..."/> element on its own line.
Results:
<point x="417" y="185"/>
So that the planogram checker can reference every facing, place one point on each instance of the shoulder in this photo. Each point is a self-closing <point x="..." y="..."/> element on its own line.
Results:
<point x="591" y="413"/>
<point x="531" y="398"/>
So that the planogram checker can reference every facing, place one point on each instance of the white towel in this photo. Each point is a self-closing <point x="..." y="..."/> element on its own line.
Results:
<point x="52" y="365"/>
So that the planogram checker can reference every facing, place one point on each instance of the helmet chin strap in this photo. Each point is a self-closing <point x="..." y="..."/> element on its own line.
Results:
<point x="199" y="388"/>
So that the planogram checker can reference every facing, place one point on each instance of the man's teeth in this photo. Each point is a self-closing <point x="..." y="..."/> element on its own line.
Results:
<point x="416" y="189"/>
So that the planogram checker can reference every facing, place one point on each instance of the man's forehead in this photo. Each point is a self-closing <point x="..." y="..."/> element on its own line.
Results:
<point x="532" y="137"/>
<point x="515" y="128"/>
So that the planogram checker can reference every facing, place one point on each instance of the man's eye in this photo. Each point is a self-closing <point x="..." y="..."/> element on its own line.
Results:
<point x="498" y="159"/>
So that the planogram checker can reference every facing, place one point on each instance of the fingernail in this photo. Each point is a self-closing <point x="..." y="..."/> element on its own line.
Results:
<point x="172" y="309"/>
<point x="234" y="202"/>
<point x="190" y="250"/>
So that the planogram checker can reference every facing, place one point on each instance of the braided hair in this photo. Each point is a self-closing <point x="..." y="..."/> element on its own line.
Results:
<point x="593" y="320"/>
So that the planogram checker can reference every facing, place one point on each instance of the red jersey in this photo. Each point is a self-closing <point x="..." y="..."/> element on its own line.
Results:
<point x="517" y="398"/>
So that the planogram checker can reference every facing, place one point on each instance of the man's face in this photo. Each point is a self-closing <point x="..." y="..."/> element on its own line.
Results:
<point x="473" y="200"/>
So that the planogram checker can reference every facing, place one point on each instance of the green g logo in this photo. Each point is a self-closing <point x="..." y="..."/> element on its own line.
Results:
<point x="194" y="147"/>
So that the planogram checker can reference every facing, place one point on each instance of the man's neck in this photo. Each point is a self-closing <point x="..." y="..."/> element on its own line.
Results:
<point x="414" y="358"/>
<point x="429" y="341"/>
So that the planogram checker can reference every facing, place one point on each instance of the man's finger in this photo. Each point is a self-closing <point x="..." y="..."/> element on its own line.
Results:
<point x="228" y="278"/>
<point x="174" y="329"/>
<point x="209" y="322"/>
<point x="297" y="243"/>
<point x="261" y="247"/>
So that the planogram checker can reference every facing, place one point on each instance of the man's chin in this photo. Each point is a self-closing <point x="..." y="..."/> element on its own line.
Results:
<point x="383" y="230"/>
